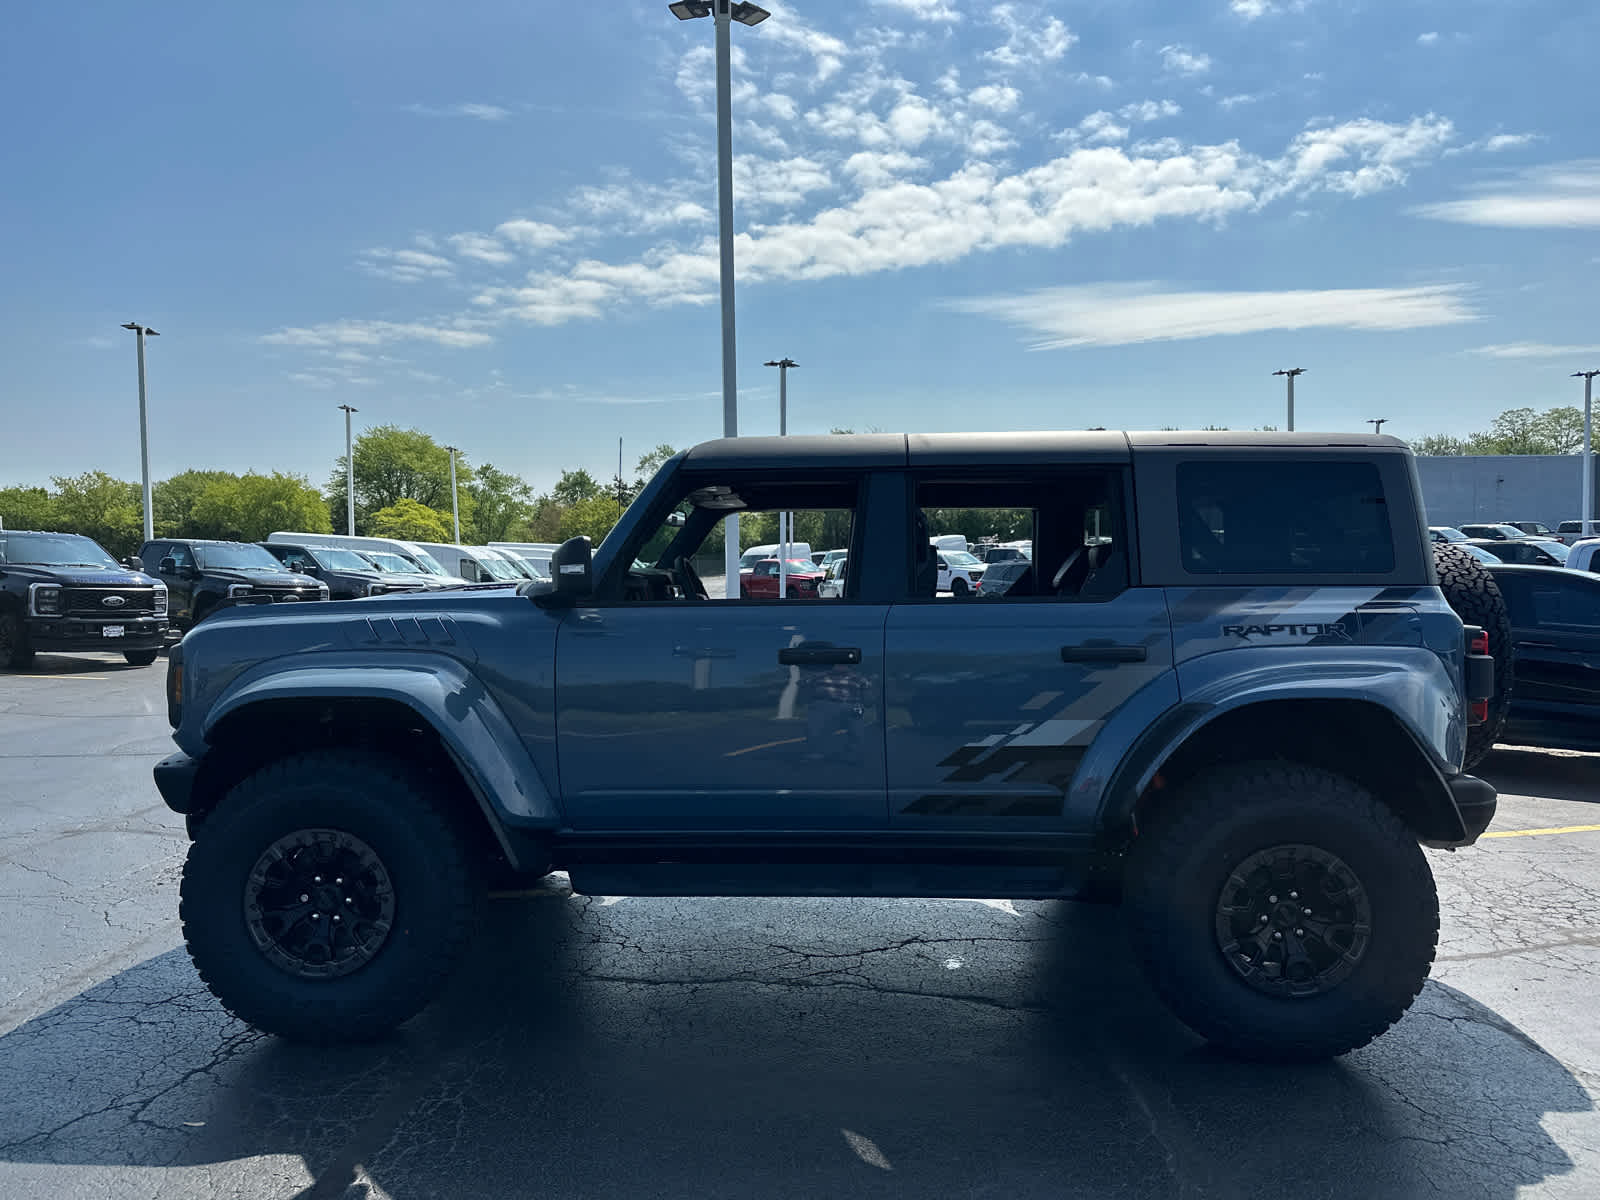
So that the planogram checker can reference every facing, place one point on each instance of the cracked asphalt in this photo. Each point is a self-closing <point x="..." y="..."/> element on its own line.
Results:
<point x="708" y="1048"/>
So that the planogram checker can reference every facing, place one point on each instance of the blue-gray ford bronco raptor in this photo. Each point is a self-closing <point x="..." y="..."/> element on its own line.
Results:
<point x="1229" y="692"/>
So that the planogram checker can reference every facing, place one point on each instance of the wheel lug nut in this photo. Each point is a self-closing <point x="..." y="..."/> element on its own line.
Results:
<point x="1272" y="899"/>
<point x="1277" y="937"/>
<point x="1263" y="918"/>
<point x="335" y="916"/>
<point x="338" y="878"/>
<point x="1297" y="932"/>
<point x="316" y="916"/>
<point x="1306" y="911"/>
<point x="1294" y="895"/>
<point x="316" y="879"/>
<point x="347" y="900"/>
<point x="304" y="899"/>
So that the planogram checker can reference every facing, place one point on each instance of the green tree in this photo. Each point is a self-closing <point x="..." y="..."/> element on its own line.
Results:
<point x="101" y="507"/>
<point x="410" y="521"/>
<point x="1519" y="431"/>
<point x="393" y="464"/>
<point x="251" y="506"/>
<point x="652" y="462"/>
<point x="176" y="497"/>
<point x="575" y="486"/>
<point x="1562" y="429"/>
<point x="540" y="523"/>
<point x="27" y="508"/>
<point x="499" y="500"/>
<point x="591" y="518"/>
<point x="1440" y="444"/>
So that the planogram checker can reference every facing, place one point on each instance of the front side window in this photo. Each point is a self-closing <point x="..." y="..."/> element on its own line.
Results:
<point x="1283" y="518"/>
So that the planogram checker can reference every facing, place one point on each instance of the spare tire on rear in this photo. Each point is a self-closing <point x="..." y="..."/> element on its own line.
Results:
<point x="1476" y="598"/>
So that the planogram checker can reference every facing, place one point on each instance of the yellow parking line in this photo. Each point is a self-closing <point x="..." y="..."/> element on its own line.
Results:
<point x="1537" y="832"/>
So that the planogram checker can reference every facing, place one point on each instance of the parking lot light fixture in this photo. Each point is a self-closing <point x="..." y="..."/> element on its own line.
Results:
<point x="141" y="332"/>
<point x="1290" y="374"/>
<point x="1586" y="523"/>
<point x="725" y="12"/>
<point x="349" y="474"/>
<point x="455" y="505"/>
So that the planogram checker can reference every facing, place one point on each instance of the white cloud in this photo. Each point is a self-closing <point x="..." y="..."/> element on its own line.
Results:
<point x="784" y="29"/>
<point x="1509" y="141"/>
<point x="997" y="97"/>
<point x="1149" y="110"/>
<point x="871" y="168"/>
<point x="985" y="139"/>
<point x="914" y="120"/>
<point x="478" y="112"/>
<point x="1101" y="127"/>
<point x="528" y="235"/>
<point x="1182" y="61"/>
<point x="940" y="11"/>
<point x="1427" y="39"/>
<point x="1559" y="196"/>
<point x="758" y="182"/>
<point x="1119" y="314"/>
<point x="1251" y="10"/>
<point x="482" y="248"/>
<point x="1381" y="149"/>
<point x="1228" y="103"/>
<point x="1535" y="350"/>
<point x="405" y="266"/>
<point x="334" y="334"/>
<point x="949" y="84"/>
<point x="1029" y="43"/>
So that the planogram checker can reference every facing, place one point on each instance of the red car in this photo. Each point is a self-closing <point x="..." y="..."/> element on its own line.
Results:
<point x="762" y="582"/>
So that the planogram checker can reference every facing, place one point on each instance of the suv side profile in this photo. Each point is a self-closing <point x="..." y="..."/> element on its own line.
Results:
<point x="347" y="575"/>
<point x="1227" y="688"/>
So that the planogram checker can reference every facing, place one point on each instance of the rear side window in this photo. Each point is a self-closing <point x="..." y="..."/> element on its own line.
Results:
<point x="1283" y="518"/>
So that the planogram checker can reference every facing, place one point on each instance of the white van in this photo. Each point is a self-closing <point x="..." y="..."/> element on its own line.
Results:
<point x="755" y="554"/>
<point x="535" y="554"/>
<point x="414" y="551"/>
<point x="950" y="541"/>
<point x="475" y="564"/>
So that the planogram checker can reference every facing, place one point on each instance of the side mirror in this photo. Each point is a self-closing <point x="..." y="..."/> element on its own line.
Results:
<point x="676" y="520"/>
<point x="167" y="566"/>
<point x="190" y="571"/>
<point x="572" y="568"/>
<point x="133" y="562"/>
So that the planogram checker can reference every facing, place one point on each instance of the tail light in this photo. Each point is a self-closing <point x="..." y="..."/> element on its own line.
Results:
<point x="1478" y="711"/>
<point x="1479" y="643"/>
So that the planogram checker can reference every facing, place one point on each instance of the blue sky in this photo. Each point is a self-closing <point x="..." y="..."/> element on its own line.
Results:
<point x="495" y="220"/>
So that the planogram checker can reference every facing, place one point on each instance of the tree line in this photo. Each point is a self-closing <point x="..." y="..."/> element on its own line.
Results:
<point x="1516" y="431"/>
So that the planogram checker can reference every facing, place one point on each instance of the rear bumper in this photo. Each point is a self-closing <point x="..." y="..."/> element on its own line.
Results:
<point x="175" y="776"/>
<point x="1476" y="802"/>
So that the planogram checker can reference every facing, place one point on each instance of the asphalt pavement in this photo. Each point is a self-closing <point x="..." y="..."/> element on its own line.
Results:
<point x="634" y="1047"/>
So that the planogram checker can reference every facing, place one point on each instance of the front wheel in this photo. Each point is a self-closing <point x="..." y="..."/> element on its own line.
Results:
<point x="15" y="650"/>
<point x="959" y="587"/>
<point x="140" y="658"/>
<point x="328" y="897"/>
<point x="1281" y="911"/>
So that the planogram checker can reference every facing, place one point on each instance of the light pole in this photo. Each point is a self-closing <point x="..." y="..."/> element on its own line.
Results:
<point x="1377" y="423"/>
<point x="1586" y="517"/>
<point x="455" y="507"/>
<point x="785" y="520"/>
<point x="349" y="474"/>
<point x="726" y="12"/>
<point x="1291" y="373"/>
<point x="140" y="333"/>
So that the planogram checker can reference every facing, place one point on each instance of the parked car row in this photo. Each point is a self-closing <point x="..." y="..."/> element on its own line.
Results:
<point x="1506" y="543"/>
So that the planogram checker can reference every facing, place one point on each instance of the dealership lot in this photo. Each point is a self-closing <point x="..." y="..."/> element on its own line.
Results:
<point x="628" y="1047"/>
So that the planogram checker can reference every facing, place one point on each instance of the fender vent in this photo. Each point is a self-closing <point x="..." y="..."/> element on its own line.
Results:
<point x="404" y="631"/>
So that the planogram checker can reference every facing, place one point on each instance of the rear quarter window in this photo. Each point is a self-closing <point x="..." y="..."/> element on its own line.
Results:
<point x="1283" y="517"/>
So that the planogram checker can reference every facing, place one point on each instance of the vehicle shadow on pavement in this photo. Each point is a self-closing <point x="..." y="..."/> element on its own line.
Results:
<point x="734" y="1048"/>
<point x="1556" y="776"/>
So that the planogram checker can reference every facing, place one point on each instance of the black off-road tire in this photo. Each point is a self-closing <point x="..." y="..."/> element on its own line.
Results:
<point x="1472" y="592"/>
<point x="141" y="658"/>
<point x="427" y="857"/>
<point x="15" y="652"/>
<point x="1183" y="867"/>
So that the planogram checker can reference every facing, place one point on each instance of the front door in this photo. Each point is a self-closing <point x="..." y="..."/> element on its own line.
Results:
<point x="1555" y="627"/>
<point x="722" y="715"/>
<point x="180" y="587"/>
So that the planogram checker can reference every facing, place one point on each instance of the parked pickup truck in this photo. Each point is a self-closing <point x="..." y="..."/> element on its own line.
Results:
<point x="1228" y="689"/>
<point x="62" y="591"/>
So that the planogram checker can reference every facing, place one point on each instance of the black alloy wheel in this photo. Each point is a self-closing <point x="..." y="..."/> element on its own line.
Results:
<point x="319" y="903"/>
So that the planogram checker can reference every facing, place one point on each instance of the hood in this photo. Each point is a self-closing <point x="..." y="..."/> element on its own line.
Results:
<point x="260" y="578"/>
<point x="118" y="577"/>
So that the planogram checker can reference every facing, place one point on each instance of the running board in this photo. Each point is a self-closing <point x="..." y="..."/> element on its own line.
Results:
<point x="862" y="879"/>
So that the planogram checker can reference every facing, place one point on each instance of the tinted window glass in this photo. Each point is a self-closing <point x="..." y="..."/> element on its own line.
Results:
<point x="1281" y="518"/>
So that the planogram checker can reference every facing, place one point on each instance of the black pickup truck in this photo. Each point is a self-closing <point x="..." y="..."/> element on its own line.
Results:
<point x="62" y="591"/>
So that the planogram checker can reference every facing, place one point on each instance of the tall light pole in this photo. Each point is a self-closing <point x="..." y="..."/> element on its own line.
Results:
<point x="1377" y="423"/>
<point x="349" y="474"/>
<point x="1586" y="517"/>
<point x="1291" y="373"/>
<point x="785" y="520"/>
<point x="726" y="12"/>
<point x="140" y="333"/>
<point x="455" y="506"/>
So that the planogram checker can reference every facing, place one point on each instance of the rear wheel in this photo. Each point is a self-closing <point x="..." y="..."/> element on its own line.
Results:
<point x="959" y="586"/>
<point x="1281" y="911"/>
<point x="328" y="897"/>
<point x="15" y="650"/>
<point x="141" y="658"/>
<point x="1472" y="592"/>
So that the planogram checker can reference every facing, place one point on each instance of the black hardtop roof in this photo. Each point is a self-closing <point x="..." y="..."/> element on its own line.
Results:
<point x="950" y="449"/>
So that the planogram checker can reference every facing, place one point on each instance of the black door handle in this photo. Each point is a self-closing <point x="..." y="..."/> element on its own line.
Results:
<point x="1102" y="653"/>
<point x="819" y="656"/>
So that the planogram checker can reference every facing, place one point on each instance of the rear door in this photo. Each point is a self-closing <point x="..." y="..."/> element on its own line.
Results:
<point x="993" y="702"/>
<point x="1555" y="626"/>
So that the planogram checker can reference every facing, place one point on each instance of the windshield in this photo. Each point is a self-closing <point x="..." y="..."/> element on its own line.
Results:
<point x="1450" y="535"/>
<point x="231" y="557"/>
<point x="1556" y="550"/>
<point x="962" y="558"/>
<point x="53" y="550"/>
<point x="392" y="563"/>
<point x="430" y="564"/>
<point x="498" y="567"/>
<point x="340" y="560"/>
